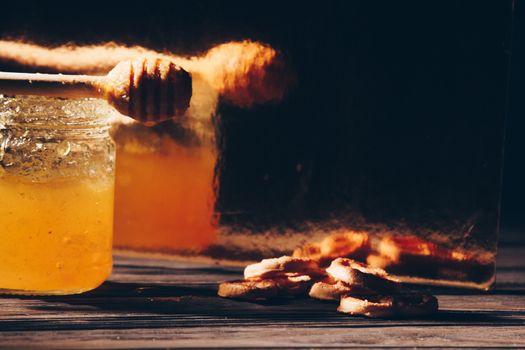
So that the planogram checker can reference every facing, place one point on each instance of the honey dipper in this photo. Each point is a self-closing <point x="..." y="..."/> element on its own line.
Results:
<point x="146" y="89"/>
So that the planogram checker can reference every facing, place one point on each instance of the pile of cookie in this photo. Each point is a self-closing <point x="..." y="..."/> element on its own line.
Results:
<point x="406" y="255"/>
<point x="352" y="244"/>
<point x="360" y="289"/>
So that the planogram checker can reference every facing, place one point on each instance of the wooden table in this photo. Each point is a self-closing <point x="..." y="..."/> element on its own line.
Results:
<point x="160" y="304"/>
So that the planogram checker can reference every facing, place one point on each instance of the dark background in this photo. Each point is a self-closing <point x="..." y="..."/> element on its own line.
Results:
<point x="513" y="205"/>
<point x="352" y="58"/>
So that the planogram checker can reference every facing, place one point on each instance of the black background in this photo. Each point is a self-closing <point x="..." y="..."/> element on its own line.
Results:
<point x="336" y="39"/>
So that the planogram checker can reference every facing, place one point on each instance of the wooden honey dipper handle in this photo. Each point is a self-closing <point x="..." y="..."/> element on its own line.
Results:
<point x="52" y="85"/>
<point x="147" y="90"/>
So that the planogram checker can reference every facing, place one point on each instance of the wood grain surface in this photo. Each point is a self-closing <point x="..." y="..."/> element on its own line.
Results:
<point x="162" y="304"/>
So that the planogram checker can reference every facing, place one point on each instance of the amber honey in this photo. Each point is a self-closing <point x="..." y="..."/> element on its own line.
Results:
<point x="56" y="235"/>
<point x="164" y="198"/>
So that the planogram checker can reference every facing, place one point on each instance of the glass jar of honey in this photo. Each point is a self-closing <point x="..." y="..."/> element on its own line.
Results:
<point x="164" y="194"/>
<point x="56" y="195"/>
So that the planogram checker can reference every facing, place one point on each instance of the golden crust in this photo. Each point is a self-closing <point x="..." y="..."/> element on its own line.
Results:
<point x="308" y="250"/>
<point x="351" y="244"/>
<point x="254" y="289"/>
<point x="345" y="244"/>
<point x="331" y="289"/>
<point x="357" y="274"/>
<point x="389" y="306"/>
<point x="394" y="247"/>
<point x="284" y="265"/>
<point x="378" y="261"/>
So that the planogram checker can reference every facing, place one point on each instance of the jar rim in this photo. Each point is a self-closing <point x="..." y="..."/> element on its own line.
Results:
<point x="52" y="112"/>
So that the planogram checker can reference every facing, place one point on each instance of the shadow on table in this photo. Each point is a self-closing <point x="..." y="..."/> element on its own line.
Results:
<point x="132" y="305"/>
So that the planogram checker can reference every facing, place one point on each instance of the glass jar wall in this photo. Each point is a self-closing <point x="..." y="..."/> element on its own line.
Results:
<point x="56" y="195"/>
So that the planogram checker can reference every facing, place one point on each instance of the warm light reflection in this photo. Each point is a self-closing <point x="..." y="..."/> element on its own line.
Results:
<point x="244" y="73"/>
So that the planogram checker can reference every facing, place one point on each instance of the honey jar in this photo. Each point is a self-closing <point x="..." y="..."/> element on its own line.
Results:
<point x="164" y="195"/>
<point x="56" y="195"/>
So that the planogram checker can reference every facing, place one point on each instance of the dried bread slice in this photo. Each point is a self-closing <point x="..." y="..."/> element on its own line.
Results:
<point x="351" y="244"/>
<point x="308" y="250"/>
<point x="389" y="306"/>
<point x="355" y="273"/>
<point x="283" y="266"/>
<point x="346" y="244"/>
<point x="332" y="289"/>
<point x="396" y="248"/>
<point x="255" y="288"/>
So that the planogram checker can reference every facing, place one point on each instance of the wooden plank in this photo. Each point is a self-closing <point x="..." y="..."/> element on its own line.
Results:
<point x="369" y="335"/>
<point x="158" y="304"/>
